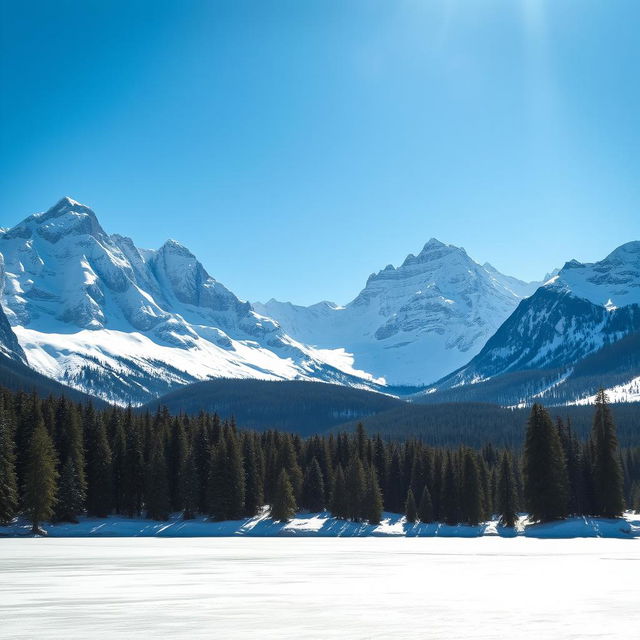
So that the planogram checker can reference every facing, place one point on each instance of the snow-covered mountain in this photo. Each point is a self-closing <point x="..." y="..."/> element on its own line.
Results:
<point x="9" y="345"/>
<point x="415" y="323"/>
<point x="93" y="311"/>
<point x="568" y="329"/>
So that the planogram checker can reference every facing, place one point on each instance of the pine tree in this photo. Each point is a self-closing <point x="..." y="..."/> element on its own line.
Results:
<point x="339" y="506"/>
<point x="69" y="443"/>
<point x="40" y="478"/>
<point x="570" y="449"/>
<point x="361" y="443"/>
<point x="284" y="502"/>
<point x="355" y="482"/>
<point x="236" y="475"/>
<point x="203" y="456"/>
<point x="373" y="498"/>
<point x="545" y="472"/>
<point x="29" y="416"/>
<point x="313" y="488"/>
<point x="380" y="460"/>
<point x="177" y="458"/>
<point x="393" y="497"/>
<point x="118" y="445"/>
<point x="99" y="471"/>
<point x="226" y="480"/>
<point x="254" y="494"/>
<point x="134" y="467"/>
<point x="70" y="495"/>
<point x="506" y="492"/>
<point x="425" y="510"/>
<point x="288" y="460"/>
<point x="157" y="498"/>
<point x="410" y="510"/>
<point x="471" y="498"/>
<point x="449" y="503"/>
<point x="8" y="478"/>
<point x="607" y="471"/>
<point x="191" y="486"/>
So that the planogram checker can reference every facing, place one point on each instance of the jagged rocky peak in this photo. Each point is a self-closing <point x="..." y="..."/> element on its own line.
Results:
<point x="65" y="217"/>
<point x="190" y="283"/>
<point x="433" y="255"/>
<point x="433" y="250"/>
<point x="612" y="282"/>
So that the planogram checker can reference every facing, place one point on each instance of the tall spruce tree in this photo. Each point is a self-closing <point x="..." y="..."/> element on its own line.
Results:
<point x="339" y="505"/>
<point x="449" y="501"/>
<point x="8" y="478"/>
<point x="545" y="471"/>
<point x="393" y="494"/>
<point x="607" y="470"/>
<point x="506" y="492"/>
<point x="254" y="494"/>
<point x="70" y="496"/>
<point x="471" y="495"/>
<point x="134" y="467"/>
<point x="118" y="445"/>
<point x="355" y="480"/>
<point x="288" y="460"/>
<point x="410" y="510"/>
<point x="99" y="471"/>
<point x="313" y="495"/>
<point x="157" y="497"/>
<point x="40" y="478"/>
<point x="373" y="498"/>
<point x="226" y="480"/>
<point x="284" y="502"/>
<point x="176" y="463"/>
<point x="29" y="416"/>
<point x="191" y="486"/>
<point x="425" y="509"/>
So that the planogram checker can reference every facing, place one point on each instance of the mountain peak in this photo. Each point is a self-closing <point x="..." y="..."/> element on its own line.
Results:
<point x="433" y="243"/>
<point x="432" y="250"/>
<point x="177" y="249"/>
<point x="68" y="202"/>
<point x="65" y="205"/>
<point x="65" y="217"/>
<point x="628" y="252"/>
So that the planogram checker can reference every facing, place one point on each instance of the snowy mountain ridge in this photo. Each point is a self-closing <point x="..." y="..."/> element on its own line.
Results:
<point x="579" y="312"/>
<point x="414" y="323"/>
<point x="93" y="311"/>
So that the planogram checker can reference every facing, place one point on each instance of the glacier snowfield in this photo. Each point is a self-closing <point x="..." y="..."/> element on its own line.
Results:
<point x="485" y="587"/>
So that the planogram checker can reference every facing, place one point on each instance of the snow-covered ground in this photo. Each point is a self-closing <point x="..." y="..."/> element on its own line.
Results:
<point x="323" y="525"/>
<point x="436" y="588"/>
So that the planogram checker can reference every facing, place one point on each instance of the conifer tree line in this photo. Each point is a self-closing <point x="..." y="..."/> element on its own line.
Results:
<point x="60" y="460"/>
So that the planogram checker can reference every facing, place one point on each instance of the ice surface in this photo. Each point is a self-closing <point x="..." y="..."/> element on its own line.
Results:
<point x="319" y="588"/>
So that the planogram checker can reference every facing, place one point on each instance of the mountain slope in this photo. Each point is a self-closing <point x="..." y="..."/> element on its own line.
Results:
<point x="546" y="348"/>
<point x="17" y="376"/>
<point x="299" y="406"/>
<point x="95" y="312"/>
<point x="477" y="424"/>
<point x="9" y="345"/>
<point x="414" y="323"/>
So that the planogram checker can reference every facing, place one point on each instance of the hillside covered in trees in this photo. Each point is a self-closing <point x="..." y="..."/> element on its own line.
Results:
<point x="59" y="460"/>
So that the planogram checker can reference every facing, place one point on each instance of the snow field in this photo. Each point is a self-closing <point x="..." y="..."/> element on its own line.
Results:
<point x="319" y="588"/>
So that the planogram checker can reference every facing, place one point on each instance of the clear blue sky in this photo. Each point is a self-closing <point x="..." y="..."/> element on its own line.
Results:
<point x="296" y="147"/>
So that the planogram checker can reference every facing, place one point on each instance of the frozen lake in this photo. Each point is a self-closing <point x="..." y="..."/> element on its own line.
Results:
<point x="319" y="588"/>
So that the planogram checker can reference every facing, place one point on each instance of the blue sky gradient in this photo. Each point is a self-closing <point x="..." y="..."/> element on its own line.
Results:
<point x="295" y="147"/>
